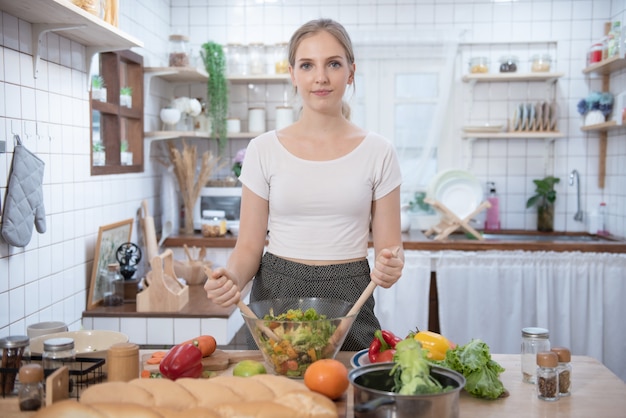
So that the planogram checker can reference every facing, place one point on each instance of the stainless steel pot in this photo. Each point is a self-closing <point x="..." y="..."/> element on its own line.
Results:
<point x="374" y="397"/>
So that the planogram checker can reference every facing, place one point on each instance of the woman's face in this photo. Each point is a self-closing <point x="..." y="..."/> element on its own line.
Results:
<point x="321" y="72"/>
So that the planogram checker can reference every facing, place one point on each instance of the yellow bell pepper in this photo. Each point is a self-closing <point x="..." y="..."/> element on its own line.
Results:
<point x="435" y="344"/>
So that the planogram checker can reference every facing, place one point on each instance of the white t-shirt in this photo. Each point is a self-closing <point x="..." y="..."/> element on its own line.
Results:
<point x="320" y="210"/>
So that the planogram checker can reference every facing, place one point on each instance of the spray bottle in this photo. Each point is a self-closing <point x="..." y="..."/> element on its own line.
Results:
<point x="493" y="213"/>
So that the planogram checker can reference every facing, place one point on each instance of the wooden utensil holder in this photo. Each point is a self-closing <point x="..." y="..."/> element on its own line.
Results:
<point x="162" y="291"/>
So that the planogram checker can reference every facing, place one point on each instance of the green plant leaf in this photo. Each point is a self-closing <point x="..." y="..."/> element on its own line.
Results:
<point x="217" y="91"/>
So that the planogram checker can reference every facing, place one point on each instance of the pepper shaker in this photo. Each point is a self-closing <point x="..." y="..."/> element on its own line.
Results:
<point x="564" y="370"/>
<point x="547" y="377"/>
<point x="31" y="396"/>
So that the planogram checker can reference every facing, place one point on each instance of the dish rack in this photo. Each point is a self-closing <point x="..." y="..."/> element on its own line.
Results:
<point x="450" y="222"/>
<point x="83" y="372"/>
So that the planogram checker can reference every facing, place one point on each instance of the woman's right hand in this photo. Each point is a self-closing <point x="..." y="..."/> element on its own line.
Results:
<point x="221" y="288"/>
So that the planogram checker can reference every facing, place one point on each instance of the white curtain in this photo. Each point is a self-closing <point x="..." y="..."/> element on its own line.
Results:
<point x="404" y="306"/>
<point x="578" y="297"/>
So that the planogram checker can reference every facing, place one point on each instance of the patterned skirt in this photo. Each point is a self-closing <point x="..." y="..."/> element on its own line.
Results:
<point x="280" y="278"/>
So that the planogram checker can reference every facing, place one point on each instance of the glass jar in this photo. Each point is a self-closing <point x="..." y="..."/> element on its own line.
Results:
<point x="595" y="53"/>
<point x="111" y="278"/>
<point x="547" y="377"/>
<point x="564" y="370"/>
<point x="534" y="340"/>
<point x="236" y="59"/>
<point x="95" y="7"/>
<point x="213" y="223"/>
<point x="31" y="395"/>
<point x="540" y="63"/>
<point x="478" y="65"/>
<point x="59" y="352"/>
<point x="179" y="51"/>
<point x="508" y="64"/>
<point x="14" y="350"/>
<point x="281" y="59"/>
<point x="256" y="58"/>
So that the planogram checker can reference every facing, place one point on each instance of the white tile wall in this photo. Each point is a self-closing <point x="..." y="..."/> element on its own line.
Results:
<point x="50" y="113"/>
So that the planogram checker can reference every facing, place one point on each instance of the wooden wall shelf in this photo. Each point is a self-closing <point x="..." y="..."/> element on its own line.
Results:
<point x="606" y="66"/>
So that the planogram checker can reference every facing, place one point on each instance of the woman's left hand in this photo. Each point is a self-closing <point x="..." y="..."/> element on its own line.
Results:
<point x="388" y="267"/>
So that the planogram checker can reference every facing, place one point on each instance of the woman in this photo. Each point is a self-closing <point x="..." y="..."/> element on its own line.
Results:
<point x="315" y="186"/>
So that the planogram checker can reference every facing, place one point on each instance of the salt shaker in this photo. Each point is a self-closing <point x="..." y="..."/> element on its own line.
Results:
<point x="547" y="376"/>
<point x="534" y="340"/>
<point x="564" y="370"/>
<point x="31" y="397"/>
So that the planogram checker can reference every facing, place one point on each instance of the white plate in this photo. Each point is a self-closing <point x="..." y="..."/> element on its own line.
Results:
<point x="461" y="195"/>
<point x="360" y="359"/>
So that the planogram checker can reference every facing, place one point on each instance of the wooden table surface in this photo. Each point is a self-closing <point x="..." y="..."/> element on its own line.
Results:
<point x="596" y="392"/>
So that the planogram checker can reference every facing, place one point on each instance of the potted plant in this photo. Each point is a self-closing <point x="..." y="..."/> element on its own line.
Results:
<point x="544" y="198"/>
<point x="126" y="98"/>
<point x="217" y="91"/>
<point x="595" y="108"/>
<point x="98" y="89"/>
<point x="98" y="155"/>
<point x="126" y="157"/>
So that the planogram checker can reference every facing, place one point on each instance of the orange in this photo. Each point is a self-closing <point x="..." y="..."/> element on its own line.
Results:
<point x="328" y="377"/>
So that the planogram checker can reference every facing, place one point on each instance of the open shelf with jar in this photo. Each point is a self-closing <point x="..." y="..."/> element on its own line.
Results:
<point x="604" y="68"/>
<point x="69" y="21"/>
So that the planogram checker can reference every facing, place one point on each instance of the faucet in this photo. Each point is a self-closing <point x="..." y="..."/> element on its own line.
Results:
<point x="579" y="213"/>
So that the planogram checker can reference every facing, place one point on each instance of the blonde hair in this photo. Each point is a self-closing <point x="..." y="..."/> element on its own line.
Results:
<point x="333" y="28"/>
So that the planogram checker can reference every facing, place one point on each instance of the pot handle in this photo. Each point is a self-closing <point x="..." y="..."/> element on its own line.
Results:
<point x="374" y="404"/>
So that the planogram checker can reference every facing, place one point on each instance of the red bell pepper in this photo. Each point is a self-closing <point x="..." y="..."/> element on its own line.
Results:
<point x="183" y="360"/>
<point x="383" y="346"/>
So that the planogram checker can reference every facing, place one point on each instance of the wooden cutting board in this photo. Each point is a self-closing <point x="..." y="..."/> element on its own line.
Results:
<point x="219" y="360"/>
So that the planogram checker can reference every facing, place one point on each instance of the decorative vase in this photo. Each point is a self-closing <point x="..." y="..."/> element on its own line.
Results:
<point x="99" y="158"/>
<point x="126" y="158"/>
<point x="545" y="217"/>
<point x="594" y="117"/>
<point x="169" y="117"/>
<point x="126" y="100"/>
<point x="99" y="94"/>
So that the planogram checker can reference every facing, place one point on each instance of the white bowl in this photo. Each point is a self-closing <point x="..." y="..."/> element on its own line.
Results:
<point x="45" y="328"/>
<point x="87" y="343"/>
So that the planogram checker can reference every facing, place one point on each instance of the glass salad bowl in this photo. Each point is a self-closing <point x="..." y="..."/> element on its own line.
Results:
<point x="293" y="333"/>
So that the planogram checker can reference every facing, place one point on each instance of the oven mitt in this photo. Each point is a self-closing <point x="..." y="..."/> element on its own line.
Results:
<point x="23" y="204"/>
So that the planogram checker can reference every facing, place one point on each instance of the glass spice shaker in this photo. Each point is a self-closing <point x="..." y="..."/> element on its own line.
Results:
<point x="564" y="370"/>
<point x="547" y="376"/>
<point x="59" y="352"/>
<point x="13" y="350"/>
<point x="534" y="340"/>
<point x="31" y="397"/>
<point x="179" y="54"/>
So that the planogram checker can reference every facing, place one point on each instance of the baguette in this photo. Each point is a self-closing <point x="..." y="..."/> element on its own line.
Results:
<point x="260" y="396"/>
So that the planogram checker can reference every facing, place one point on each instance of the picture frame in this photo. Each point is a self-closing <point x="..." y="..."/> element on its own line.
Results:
<point x="110" y="237"/>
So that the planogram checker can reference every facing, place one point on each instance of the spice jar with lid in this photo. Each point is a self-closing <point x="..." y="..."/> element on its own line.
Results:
<point x="214" y="223"/>
<point x="508" y="64"/>
<point x="534" y="340"/>
<point x="110" y="294"/>
<point x="179" y="51"/>
<point x="59" y="352"/>
<point x="595" y="53"/>
<point x="478" y="65"/>
<point x="540" y="63"/>
<point x="256" y="58"/>
<point x="236" y="59"/>
<point x="547" y="377"/>
<point x="31" y="395"/>
<point x="564" y="370"/>
<point x="281" y="62"/>
<point x="13" y="349"/>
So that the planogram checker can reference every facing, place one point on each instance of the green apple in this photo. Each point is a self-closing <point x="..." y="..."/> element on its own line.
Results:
<point x="247" y="368"/>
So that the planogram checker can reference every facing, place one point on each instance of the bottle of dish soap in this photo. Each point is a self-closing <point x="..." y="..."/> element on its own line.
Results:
<point x="493" y="213"/>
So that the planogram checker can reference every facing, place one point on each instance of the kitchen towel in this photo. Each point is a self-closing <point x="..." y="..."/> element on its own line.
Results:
<point x="23" y="204"/>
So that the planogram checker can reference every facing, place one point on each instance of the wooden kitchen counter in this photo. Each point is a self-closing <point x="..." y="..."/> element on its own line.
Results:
<point x="596" y="392"/>
<point x="416" y="240"/>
